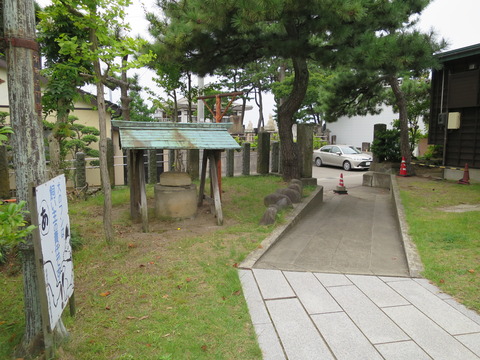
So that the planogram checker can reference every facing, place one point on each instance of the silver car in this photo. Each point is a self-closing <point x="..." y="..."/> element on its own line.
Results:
<point x="346" y="156"/>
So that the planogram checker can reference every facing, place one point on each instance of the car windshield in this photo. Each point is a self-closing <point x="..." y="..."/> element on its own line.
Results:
<point x="350" y="150"/>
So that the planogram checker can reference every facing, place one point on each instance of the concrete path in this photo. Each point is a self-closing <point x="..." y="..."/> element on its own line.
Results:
<point x="305" y="315"/>
<point x="336" y="286"/>
<point x="355" y="233"/>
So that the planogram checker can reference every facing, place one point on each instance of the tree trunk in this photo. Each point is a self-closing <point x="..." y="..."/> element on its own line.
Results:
<point x="403" y="115"/>
<point x="125" y="99"/>
<point x="23" y="63"/>
<point x="259" y="102"/>
<point x="102" y="124"/>
<point x="286" y="110"/>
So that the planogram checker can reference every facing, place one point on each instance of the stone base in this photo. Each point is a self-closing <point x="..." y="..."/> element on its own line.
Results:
<point x="178" y="202"/>
<point x="377" y="179"/>
<point x="309" y="181"/>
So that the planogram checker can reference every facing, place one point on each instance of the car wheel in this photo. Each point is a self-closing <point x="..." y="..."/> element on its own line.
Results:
<point x="347" y="166"/>
<point x="318" y="162"/>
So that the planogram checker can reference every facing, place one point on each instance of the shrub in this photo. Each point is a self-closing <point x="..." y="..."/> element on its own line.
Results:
<point x="386" y="146"/>
<point x="12" y="226"/>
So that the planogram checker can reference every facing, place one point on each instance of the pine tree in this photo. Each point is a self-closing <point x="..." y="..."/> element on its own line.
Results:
<point x="205" y="35"/>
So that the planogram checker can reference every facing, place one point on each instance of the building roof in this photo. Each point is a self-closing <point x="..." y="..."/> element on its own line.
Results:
<point x="170" y="135"/>
<point x="459" y="53"/>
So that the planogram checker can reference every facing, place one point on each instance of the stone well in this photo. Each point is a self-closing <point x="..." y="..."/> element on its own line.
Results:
<point x="175" y="196"/>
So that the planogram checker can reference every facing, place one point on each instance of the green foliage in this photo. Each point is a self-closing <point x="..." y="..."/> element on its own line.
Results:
<point x="4" y="130"/>
<point x="433" y="152"/>
<point x="139" y="110"/>
<point x="310" y="110"/>
<point x="12" y="226"/>
<point x="3" y="117"/>
<point x="386" y="145"/>
<point x="73" y="138"/>
<point x="318" y="142"/>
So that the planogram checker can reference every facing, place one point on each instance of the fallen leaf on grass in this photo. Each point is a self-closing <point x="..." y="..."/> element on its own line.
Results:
<point x="166" y="335"/>
<point x="151" y="263"/>
<point x="131" y="317"/>
<point x="442" y="281"/>
<point x="106" y="293"/>
<point x="149" y="345"/>
<point x="236" y="293"/>
<point x="107" y="307"/>
<point x="204" y="348"/>
<point x="260" y="246"/>
<point x="141" y="265"/>
<point x="165" y="296"/>
<point x="188" y="279"/>
<point x="471" y="271"/>
<point x="132" y="245"/>
<point x="143" y="317"/>
<point x="235" y="265"/>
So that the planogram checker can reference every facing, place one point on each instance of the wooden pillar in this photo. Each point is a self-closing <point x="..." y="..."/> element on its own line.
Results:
<point x="143" y="208"/>
<point x="213" y="158"/>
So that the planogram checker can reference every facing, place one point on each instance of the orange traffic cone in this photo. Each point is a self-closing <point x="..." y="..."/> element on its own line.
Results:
<point x="403" y="167"/>
<point x="466" y="176"/>
<point x="341" y="189"/>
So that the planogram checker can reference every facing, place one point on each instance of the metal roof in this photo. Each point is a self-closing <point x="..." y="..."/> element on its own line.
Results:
<point x="170" y="135"/>
<point x="459" y="53"/>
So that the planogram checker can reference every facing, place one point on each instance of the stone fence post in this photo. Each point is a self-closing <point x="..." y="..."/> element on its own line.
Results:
<point x="193" y="163"/>
<point x="246" y="158"/>
<point x="263" y="156"/>
<point x="80" y="170"/>
<point x="230" y="162"/>
<point x="275" y="156"/>
<point x="152" y="166"/>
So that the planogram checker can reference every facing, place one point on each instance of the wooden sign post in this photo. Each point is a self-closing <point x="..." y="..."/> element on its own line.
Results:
<point x="52" y="248"/>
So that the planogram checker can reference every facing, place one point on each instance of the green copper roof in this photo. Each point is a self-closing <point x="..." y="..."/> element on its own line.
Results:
<point x="168" y="135"/>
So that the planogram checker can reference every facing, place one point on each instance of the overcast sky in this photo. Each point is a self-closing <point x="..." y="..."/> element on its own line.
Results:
<point x="457" y="21"/>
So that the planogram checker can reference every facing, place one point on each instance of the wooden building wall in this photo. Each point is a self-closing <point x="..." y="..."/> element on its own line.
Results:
<point x="460" y="81"/>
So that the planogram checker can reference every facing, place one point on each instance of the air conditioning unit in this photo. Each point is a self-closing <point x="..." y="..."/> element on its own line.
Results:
<point x="454" y="120"/>
<point x="442" y="118"/>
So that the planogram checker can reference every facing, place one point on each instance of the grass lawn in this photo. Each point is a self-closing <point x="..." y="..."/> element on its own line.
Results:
<point x="448" y="242"/>
<point x="173" y="293"/>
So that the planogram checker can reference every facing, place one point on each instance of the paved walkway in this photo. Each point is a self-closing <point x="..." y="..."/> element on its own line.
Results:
<point x="355" y="233"/>
<point x="305" y="315"/>
<point x="335" y="286"/>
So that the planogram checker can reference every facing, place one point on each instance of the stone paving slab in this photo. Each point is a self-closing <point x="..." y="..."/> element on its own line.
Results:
<point x="298" y="334"/>
<point x="344" y="338"/>
<point x="338" y="316"/>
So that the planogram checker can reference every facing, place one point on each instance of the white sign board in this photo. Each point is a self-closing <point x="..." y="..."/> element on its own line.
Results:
<point x="54" y="229"/>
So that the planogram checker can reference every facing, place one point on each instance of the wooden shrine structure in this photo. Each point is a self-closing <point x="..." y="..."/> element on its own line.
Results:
<point x="136" y="137"/>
